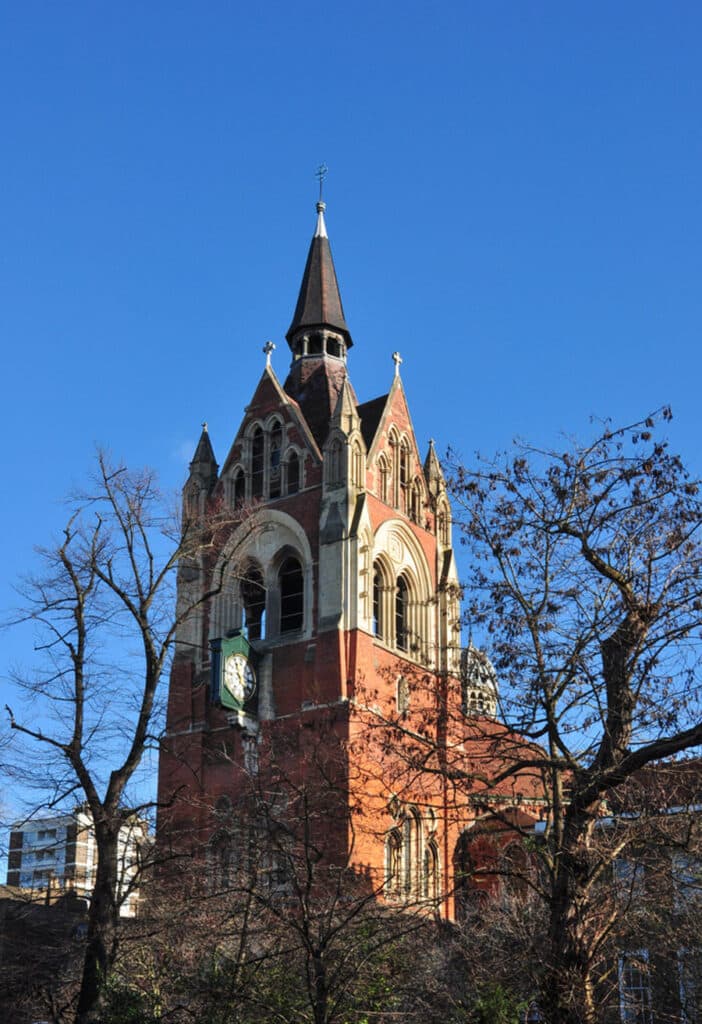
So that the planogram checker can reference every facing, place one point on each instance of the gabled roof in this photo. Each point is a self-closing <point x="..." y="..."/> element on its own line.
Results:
<point x="319" y="301"/>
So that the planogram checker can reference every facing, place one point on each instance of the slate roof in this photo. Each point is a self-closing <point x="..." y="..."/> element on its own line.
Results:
<point x="370" y="414"/>
<point x="319" y="301"/>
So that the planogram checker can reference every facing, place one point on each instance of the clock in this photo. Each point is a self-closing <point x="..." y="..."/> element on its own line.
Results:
<point x="239" y="677"/>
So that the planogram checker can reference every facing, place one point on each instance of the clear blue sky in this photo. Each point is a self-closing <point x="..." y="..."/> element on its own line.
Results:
<point x="513" y="203"/>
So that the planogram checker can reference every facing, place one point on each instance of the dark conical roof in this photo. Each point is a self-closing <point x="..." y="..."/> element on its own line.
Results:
<point x="319" y="301"/>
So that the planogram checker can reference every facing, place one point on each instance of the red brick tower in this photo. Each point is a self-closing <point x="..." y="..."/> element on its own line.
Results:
<point x="339" y="594"/>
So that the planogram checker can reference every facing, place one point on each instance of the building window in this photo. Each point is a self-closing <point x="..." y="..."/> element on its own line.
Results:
<point x="258" y="447"/>
<point x="635" y="988"/>
<point x="274" y="451"/>
<point x="415" y="510"/>
<point x="239" y="488"/>
<point x="253" y="597"/>
<point x="378" y="616"/>
<point x="404" y="476"/>
<point x="383" y="479"/>
<point x="334" y="476"/>
<point x="291" y="584"/>
<point x="357" y="463"/>
<point x="293" y="474"/>
<point x="401" y="614"/>
<point x="430" y="881"/>
<point x="393" y="861"/>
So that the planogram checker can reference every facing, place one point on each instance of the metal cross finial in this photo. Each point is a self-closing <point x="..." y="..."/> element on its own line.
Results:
<point x="267" y="349"/>
<point x="397" y="359"/>
<point x="321" y="174"/>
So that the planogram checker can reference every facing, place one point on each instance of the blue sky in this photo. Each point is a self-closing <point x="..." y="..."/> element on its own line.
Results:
<point x="513" y="202"/>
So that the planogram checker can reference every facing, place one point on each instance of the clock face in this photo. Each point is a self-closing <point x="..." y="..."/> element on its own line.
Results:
<point x="239" y="677"/>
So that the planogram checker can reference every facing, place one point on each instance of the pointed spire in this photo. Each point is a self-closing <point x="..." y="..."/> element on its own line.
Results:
<point x="433" y="472"/>
<point x="319" y="302"/>
<point x="204" y="465"/>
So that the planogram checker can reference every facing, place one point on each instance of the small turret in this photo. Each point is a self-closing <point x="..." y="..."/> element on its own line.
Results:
<point x="433" y="472"/>
<point x="204" y="466"/>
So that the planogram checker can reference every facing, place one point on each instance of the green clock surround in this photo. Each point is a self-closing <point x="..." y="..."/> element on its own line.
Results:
<point x="237" y="682"/>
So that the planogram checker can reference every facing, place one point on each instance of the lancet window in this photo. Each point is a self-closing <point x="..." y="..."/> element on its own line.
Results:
<point x="292" y="593"/>
<point x="275" y="444"/>
<point x="412" y="865"/>
<point x="253" y="597"/>
<point x="293" y="473"/>
<point x="396" y="611"/>
<point x="258" y="454"/>
<point x="383" y="479"/>
<point x="239" y="487"/>
<point x="401" y="614"/>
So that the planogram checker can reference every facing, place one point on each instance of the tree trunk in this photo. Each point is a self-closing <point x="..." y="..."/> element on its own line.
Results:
<point x="101" y="945"/>
<point x="567" y="989"/>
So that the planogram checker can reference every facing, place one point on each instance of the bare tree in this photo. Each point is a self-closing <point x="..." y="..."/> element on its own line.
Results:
<point x="105" y="618"/>
<point x="586" y="581"/>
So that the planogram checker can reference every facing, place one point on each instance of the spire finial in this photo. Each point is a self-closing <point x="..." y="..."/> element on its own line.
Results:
<point x="204" y="427"/>
<point x="397" y="359"/>
<point x="267" y="349"/>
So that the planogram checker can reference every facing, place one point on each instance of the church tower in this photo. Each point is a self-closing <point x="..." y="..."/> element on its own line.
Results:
<point x="334" y="591"/>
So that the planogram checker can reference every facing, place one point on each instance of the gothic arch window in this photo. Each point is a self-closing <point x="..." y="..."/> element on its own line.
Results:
<point x="415" y="509"/>
<point x="430" y="880"/>
<point x="239" y="487"/>
<point x="403" y="472"/>
<point x="275" y="444"/>
<point x="253" y="599"/>
<point x="383" y="479"/>
<point x="402" y="614"/>
<point x="292" y="595"/>
<point x="381" y="619"/>
<point x="258" y="452"/>
<point x="393" y="861"/>
<point x="334" y="458"/>
<point x="293" y="472"/>
<point x="357" y="466"/>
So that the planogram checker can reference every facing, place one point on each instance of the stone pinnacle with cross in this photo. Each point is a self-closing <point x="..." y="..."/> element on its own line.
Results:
<point x="397" y="359"/>
<point x="267" y="349"/>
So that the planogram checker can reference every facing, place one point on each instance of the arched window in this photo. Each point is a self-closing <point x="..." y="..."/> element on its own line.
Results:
<point x="404" y="475"/>
<point x="401" y="614"/>
<point x="334" y="457"/>
<point x="393" y="861"/>
<point x="258" y="446"/>
<point x="415" y="510"/>
<point x="292" y="593"/>
<point x="383" y="479"/>
<point x="379" y="624"/>
<point x="293" y="467"/>
<point x="430" y="882"/>
<point x="239" y="488"/>
<point x="357" y="467"/>
<point x="253" y="597"/>
<point x="274" y="450"/>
